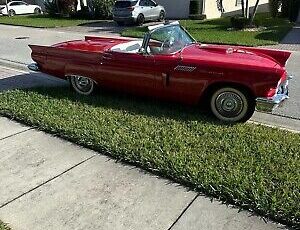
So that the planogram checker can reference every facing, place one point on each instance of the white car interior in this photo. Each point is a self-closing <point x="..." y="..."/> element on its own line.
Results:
<point x="128" y="47"/>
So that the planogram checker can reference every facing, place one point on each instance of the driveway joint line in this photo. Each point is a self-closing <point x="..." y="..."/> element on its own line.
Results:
<point x="47" y="181"/>
<point x="282" y="116"/>
<point x="183" y="212"/>
<point x="15" y="134"/>
<point x="16" y="62"/>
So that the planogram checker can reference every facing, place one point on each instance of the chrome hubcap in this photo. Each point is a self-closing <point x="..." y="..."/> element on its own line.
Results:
<point x="83" y="84"/>
<point x="229" y="104"/>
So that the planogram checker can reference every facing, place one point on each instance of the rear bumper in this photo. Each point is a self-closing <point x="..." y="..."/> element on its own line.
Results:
<point x="124" y="19"/>
<point x="264" y="104"/>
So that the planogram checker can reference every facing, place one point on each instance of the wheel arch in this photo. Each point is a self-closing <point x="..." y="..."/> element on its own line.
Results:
<point x="208" y="91"/>
<point x="80" y="70"/>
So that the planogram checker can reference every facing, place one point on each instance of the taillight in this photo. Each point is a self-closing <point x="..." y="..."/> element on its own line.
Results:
<point x="271" y="92"/>
<point x="131" y="8"/>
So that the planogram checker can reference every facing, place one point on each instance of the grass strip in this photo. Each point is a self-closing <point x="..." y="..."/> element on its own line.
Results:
<point x="255" y="167"/>
<point x="42" y="21"/>
<point x="3" y="226"/>
<point x="216" y="31"/>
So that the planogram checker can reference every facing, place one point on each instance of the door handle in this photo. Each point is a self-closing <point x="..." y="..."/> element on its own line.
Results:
<point x="107" y="56"/>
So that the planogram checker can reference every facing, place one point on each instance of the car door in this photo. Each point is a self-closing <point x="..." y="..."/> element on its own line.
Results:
<point x="145" y="9"/>
<point x="24" y="8"/>
<point x="132" y="72"/>
<point x="16" y="7"/>
<point x="154" y="10"/>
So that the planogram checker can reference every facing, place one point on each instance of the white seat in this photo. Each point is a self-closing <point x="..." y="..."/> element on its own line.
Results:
<point x="128" y="47"/>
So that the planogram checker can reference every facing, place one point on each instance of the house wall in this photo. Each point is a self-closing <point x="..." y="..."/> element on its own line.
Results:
<point x="177" y="9"/>
<point x="231" y="8"/>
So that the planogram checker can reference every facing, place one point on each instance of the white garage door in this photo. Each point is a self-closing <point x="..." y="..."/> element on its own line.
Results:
<point x="176" y="9"/>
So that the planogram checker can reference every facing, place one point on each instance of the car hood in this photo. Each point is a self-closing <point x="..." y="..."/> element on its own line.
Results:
<point x="227" y="56"/>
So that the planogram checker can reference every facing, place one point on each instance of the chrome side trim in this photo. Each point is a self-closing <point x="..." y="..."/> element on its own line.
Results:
<point x="184" y="68"/>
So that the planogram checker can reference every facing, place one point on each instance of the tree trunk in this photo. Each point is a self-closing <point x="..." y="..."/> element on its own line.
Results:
<point x="6" y="6"/>
<point x="243" y="8"/>
<point x="58" y="6"/>
<point x="247" y="9"/>
<point x="254" y="12"/>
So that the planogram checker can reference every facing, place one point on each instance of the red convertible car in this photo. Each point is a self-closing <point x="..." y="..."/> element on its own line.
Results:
<point x="168" y="63"/>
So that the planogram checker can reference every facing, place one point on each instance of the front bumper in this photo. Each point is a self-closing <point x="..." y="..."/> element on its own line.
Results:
<point x="265" y="104"/>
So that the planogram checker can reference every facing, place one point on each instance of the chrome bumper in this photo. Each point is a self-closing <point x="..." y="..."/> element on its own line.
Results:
<point x="34" y="67"/>
<point x="264" y="104"/>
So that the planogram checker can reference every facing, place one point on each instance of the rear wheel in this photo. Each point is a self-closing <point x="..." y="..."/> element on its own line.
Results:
<point x="11" y="13"/>
<point x="140" y="20"/>
<point x="82" y="85"/>
<point x="232" y="104"/>
<point x="37" y="11"/>
<point x="162" y="16"/>
<point x="120" y="23"/>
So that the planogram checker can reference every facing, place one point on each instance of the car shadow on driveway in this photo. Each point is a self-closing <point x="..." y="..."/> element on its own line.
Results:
<point x="29" y="80"/>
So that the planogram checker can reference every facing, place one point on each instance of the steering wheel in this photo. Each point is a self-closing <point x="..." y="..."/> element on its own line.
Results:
<point x="167" y="43"/>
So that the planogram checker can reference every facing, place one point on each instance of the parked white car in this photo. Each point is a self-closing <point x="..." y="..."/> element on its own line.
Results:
<point x="137" y="11"/>
<point x="19" y="7"/>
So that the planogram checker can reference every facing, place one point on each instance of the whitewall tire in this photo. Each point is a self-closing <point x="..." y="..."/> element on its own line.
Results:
<point x="230" y="104"/>
<point x="82" y="85"/>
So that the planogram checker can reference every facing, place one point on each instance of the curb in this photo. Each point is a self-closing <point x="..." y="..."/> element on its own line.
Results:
<point x="14" y="65"/>
<point x="276" y="121"/>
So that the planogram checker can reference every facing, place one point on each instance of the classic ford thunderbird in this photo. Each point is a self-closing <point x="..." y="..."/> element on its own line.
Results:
<point x="168" y="63"/>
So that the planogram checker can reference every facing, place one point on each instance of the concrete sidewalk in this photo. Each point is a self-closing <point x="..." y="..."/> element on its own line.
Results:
<point x="49" y="183"/>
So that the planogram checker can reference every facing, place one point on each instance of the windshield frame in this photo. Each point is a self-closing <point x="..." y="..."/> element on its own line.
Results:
<point x="148" y="35"/>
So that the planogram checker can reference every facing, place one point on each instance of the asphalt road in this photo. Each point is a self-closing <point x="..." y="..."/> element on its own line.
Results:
<point x="14" y="42"/>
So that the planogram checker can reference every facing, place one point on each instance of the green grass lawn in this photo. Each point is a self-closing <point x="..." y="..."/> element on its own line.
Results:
<point x="41" y="21"/>
<point x="3" y="226"/>
<point x="255" y="167"/>
<point x="216" y="31"/>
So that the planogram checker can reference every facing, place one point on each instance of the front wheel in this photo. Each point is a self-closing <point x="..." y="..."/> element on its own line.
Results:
<point x="232" y="105"/>
<point x="82" y="85"/>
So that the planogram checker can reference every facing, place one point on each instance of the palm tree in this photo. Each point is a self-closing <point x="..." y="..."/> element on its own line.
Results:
<point x="6" y="6"/>
<point x="254" y="12"/>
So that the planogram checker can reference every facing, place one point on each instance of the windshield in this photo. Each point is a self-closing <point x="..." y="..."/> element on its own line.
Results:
<point x="168" y="40"/>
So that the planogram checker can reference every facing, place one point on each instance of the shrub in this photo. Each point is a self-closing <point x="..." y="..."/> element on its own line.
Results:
<point x="195" y="7"/>
<point x="51" y="8"/>
<point x="103" y="8"/>
<point x="239" y="22"/>
<point x="274" y="7"/>
<point x="67" y="7"/>
<point x="285" y="8"/>
<point x="84" y="13"/>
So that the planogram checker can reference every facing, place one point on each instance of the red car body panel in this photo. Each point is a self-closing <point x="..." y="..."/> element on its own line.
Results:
<point x="183" y="76"/>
